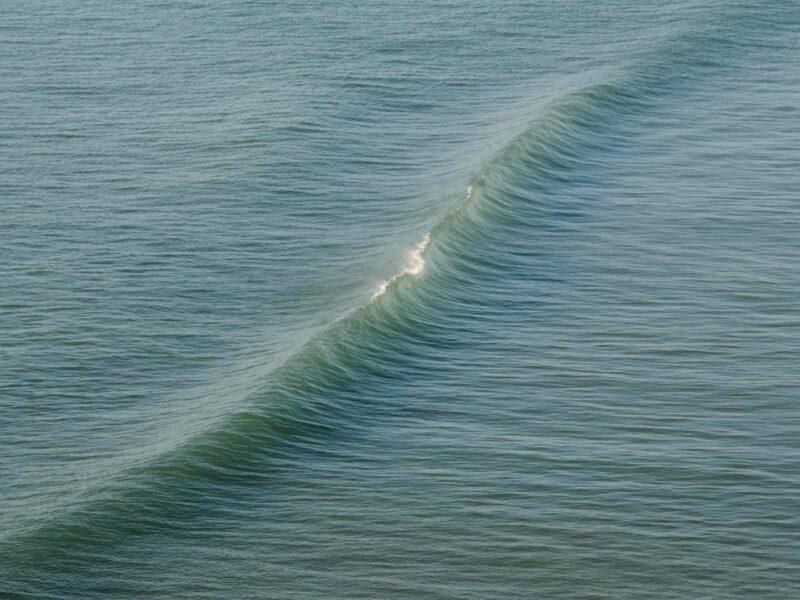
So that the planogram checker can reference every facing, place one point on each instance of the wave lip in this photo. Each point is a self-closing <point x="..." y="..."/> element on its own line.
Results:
<point x="415" y="264"/>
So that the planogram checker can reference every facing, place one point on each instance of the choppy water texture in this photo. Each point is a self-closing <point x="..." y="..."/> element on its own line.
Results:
<point x="400" y="299"/>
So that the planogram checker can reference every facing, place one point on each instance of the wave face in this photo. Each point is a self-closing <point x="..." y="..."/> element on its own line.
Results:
<point x="399" y="300"/>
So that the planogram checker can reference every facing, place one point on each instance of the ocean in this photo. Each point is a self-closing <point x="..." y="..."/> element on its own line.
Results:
<point x="424" y="300"/>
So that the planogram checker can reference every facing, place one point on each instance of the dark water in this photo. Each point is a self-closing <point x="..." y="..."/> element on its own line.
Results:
<point x="400" y="300"/>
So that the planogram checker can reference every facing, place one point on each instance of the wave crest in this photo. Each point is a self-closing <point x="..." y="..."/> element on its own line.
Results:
<point x="414" y="265"/>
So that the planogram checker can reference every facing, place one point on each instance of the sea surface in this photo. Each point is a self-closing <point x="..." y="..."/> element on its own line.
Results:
<point x="404" y="300"/>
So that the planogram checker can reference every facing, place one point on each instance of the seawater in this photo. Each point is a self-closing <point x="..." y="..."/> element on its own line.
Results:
<point x="399" y="300"/>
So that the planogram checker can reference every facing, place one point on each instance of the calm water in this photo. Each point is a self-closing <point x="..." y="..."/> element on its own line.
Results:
<point x="419" y="300"/>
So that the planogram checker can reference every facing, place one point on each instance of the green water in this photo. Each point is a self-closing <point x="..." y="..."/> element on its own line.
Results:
<point x="400" y="300"/>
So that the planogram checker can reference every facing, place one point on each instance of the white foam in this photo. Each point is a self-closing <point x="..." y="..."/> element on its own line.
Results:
<point x="415" y="262"/>
<point x="381" y="289"/>
<point x="414" y="265"/>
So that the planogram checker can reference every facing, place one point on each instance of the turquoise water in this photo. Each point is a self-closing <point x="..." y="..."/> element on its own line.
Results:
<point x="400" y="300"/>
